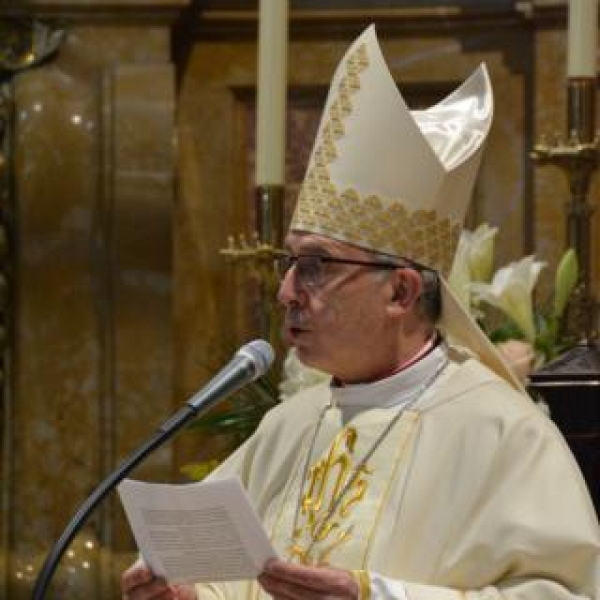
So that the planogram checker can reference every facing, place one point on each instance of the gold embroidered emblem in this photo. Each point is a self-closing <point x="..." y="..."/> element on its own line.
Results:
<point x="335" y="484"/>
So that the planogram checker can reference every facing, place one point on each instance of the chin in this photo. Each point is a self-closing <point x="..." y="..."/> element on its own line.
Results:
<point x="308" y="357"/>
<point x="313" y="360"/>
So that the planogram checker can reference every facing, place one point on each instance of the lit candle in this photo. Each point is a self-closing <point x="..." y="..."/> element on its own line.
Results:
<point x="272" y="92"/>
<point x="582" y="38"/>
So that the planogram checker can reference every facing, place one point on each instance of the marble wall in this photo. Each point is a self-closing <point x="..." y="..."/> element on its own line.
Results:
<point x="91" y="223"/>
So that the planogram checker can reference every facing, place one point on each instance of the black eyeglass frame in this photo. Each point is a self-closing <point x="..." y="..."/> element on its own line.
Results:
<point x="284" y="262"/>
<point x="290" y="260"/>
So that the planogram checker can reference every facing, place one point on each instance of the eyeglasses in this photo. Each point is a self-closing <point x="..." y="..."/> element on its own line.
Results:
<point x="312" y="271"/>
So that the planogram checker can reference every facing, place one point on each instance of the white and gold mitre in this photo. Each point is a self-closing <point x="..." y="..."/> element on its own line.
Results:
<point x="386" y="178"/>
<point x="397" y="181"/>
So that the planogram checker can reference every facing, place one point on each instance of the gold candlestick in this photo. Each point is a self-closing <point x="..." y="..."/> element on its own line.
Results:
<point x="577" y="156"/>
<point x="269" y="214"/>
<point x="270" y="161"/>
<point x="258" y="253"/>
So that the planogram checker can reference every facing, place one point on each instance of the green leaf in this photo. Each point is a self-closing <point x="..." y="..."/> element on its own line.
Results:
<point x="565" y="280"/>
<point x="244" y="412"/>
<point x="198" y="471"/>
<point x="507" y="331"/>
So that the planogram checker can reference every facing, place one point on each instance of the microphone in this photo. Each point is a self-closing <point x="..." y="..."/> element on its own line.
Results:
<point x="250" y="362"/>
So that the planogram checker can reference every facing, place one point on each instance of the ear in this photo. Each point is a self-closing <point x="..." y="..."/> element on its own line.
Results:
<point x="406" y="286"/>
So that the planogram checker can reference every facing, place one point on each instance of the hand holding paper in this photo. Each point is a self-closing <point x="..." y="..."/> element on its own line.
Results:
<point x="196" y="532"/>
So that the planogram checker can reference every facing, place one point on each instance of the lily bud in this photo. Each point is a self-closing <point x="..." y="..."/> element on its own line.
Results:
<point x="567" y="274"/>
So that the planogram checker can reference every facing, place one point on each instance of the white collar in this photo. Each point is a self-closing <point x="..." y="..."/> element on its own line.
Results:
<point x="393" y="391"/>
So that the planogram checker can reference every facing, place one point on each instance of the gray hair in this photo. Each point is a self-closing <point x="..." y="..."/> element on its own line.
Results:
<point x="430" y="300"/>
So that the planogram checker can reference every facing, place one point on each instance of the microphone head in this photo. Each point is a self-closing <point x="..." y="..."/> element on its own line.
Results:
<point x="260" y="354"/>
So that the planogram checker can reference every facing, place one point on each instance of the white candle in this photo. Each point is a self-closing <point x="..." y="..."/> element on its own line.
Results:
<point x="582" y="38"/>
<point x="272" y="92"/>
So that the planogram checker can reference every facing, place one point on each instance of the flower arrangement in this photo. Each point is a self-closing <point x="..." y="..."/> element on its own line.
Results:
<point x="241" y="417"/>
<point x="247" y="407"/>
<point x="503" y="303"/>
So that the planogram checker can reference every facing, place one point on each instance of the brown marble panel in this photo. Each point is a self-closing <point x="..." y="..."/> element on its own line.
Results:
<point x="141" y="200"/>
<point x="208" y="323"/>
<point x="56" y="358"/>
<point x="94" y="171"/>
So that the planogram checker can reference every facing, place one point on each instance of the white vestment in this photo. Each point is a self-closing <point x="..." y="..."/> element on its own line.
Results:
<point x="471" y="491"/>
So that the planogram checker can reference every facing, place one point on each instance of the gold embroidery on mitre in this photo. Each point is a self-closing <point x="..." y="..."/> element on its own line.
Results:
<point x="382" y="224"/>
<point x="335" y="485"/>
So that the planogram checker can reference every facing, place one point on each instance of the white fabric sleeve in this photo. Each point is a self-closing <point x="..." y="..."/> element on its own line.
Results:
<point x="385" y="588"/>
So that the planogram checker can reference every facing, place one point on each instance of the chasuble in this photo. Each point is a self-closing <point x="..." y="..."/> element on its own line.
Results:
<point x="457" y="487"/>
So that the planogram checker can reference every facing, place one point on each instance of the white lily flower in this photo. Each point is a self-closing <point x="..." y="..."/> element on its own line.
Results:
<point x="297" y="376"/>
<point x="511" y="292"/>
<point x="473" y="261"/>
<point x="459" y="278"/>
<point x="481" y="252"/>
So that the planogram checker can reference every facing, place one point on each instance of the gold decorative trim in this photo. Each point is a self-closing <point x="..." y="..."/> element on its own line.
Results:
<point x="381" y="224"/>
<point x="363" y="580"/>
<point x="413" y="416"/>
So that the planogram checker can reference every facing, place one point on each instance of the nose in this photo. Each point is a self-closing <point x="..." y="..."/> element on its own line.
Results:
<point x="289" y="291"/>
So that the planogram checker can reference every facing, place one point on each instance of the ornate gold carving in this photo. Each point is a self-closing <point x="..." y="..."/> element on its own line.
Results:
<point x="257" y="255"/>
<point x="26" y="42"/>
<point x="577" y="156"/>
<point x="335" y="485"/>
<point x="383" y="224"/>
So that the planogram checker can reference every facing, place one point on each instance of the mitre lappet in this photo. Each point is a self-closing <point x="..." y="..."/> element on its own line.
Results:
<point x="399" y="181"/>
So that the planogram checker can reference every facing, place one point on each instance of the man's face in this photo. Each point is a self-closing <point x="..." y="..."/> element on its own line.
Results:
<point x="341" y="325"/>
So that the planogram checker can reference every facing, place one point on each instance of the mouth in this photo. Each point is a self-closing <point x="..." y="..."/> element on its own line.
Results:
<point x="295" y="325"/>
<point x="293" y="333"/>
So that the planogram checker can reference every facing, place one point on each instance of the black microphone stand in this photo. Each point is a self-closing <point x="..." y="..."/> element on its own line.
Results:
<point x="167" y="429"/>
<point x="242" y="369"/>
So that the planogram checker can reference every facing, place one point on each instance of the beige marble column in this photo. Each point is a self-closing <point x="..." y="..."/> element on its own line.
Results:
<point x="92" y="224"/>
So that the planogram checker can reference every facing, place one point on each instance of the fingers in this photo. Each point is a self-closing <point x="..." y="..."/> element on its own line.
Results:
<point x="184" y="592"/>
<point x="283" y="590"/>
<point x="136" y="574"/>
<point x="139" y="583"/>
<point x="295" y="582"/>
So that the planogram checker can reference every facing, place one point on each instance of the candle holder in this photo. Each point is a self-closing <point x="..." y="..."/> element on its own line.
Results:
<point x="570" y="384"/>
<point x="259" y="252"/>
<point x="577" y="157"/>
